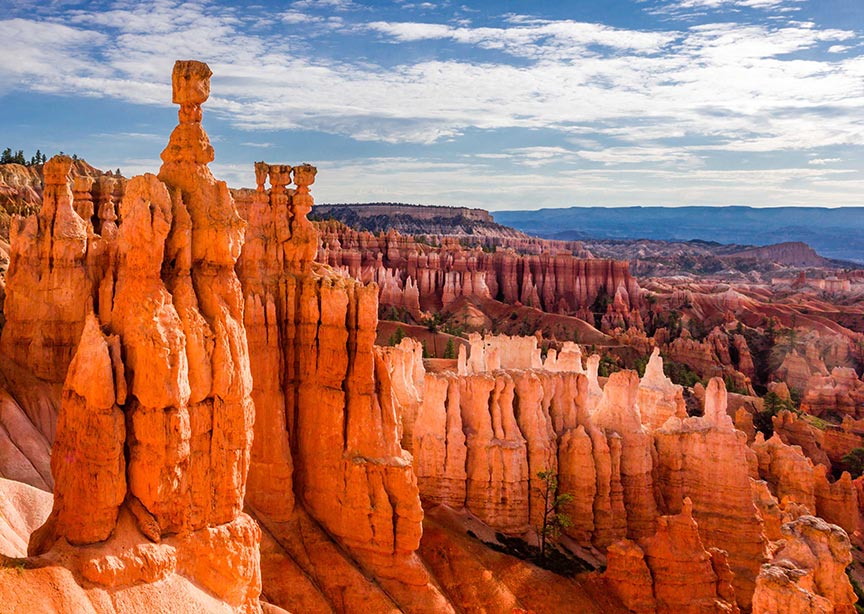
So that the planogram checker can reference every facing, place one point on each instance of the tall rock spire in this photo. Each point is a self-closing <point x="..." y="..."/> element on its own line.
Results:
<point x="154" y="429"/>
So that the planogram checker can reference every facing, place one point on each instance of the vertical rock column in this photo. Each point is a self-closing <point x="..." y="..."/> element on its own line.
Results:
<point x="87" y="459"/>
<point x="618" y="413"/>
<point x="166" y="396"/>
<point x="225" y="407"/>
<point x="705" y="459"/>
<point x="260" y="268"/>
<point x="49" y="284"/>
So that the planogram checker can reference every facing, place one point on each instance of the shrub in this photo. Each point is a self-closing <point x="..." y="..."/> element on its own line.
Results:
<point x="854" y="462"/>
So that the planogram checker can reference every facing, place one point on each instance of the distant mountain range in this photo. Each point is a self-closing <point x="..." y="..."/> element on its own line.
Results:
<point x="414" y="219"/>
<point x="834" y="233"/>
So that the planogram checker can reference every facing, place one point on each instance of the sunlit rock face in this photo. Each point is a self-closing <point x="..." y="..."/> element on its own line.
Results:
<point x="706" y="459"/>
<point x="154" y="428"/>
<point x="498" y="426"/>
<point x="671" y="571"/>
<point x="327" y="428"/>
<point x="807" y="574"/>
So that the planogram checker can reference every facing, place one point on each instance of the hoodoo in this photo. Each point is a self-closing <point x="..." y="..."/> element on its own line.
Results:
<point x="154" y="428"/>
<point x="166" y="342"/>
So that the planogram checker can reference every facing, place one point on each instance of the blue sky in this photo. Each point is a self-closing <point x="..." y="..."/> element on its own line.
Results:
<point x="501" y="105"/>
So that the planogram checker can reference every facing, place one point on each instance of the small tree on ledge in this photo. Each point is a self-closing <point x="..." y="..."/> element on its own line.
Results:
<point x="553" y="518"/>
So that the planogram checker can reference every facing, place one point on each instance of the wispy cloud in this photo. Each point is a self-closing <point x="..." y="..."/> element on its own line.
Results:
<point x="681" y="8"/>
<point x="538" y="39"/>
<point x="623" y="109"/>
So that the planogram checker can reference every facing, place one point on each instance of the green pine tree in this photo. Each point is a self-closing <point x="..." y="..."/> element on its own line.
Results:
<point x="554" y="519"/>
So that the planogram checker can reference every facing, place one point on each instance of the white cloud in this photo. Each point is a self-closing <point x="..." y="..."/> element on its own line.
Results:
<point x="701" y="7"/>
<point x="337" y="5"/>
<point x="730" y="83"/>
<point x="616" y="96"/>
<point x="468" y="184"/>
<point x="42" y="49"/>
<point x="299" y="17"/>
<point x="530" y="38"/>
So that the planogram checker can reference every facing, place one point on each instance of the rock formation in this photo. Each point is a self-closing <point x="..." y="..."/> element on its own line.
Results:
<point x="658" y="398"/>
<point x="154" y="427"/>
<point x="713" y="356"/>
<point x="807" y="573"/>
<point x="329" y="431"/>
<point x="671" y="571"/>
<point x="419" y="278"/>
<point x="841" y="393"/>
<point x="786" y="469"/>
<point x="155" y="326"/>
<point x="705" y="459"/>
<point x="52" y="280"/>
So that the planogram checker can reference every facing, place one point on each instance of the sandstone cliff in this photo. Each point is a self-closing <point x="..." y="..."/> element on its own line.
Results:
<point x="421" y="278"/>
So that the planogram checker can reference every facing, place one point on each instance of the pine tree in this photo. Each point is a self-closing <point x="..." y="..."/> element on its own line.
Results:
<point x="6" y="157"/>
<point x="397" y="336"/>
<point x="450" y="350"/>
<point x="553" y="518"/>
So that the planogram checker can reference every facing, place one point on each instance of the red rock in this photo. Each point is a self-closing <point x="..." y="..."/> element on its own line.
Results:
<point x="840" y="393"/>
<point x="837" y="502"/>
<point x="88" y="460"/>
<point x="808" y="572"/>
<point x="673" y="568"/>
<point x="658" y="398"/>
<point x="705" y="459"/>
<point x="418" y="277"/>
<point x="795" y="371"/>
<point x="165" y="398"/>
<point x="577" y="475"/>
<point x="617" y="413"/>
<point x="329" y="429"/>
<point x="54" y="268"/>
<point x="794" y="431"/>
<point x="630" y="578"/>
<point x="786" y="469"/>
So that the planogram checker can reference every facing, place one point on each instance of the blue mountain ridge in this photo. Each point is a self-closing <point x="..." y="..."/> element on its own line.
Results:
<point x="833" y="233"/>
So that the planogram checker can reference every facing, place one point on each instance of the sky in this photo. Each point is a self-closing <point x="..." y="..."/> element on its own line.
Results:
<point x="496" y="104"/>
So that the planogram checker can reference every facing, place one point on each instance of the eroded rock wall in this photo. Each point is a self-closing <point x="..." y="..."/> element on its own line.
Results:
<point x="418" y="277"/>
<point x="154" y="429"/>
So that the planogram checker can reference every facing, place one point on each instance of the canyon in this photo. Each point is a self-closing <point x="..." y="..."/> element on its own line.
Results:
<point x="196" y="416"/>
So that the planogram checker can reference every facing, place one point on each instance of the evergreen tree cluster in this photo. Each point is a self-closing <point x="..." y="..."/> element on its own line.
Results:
<point x="17" y="157"/>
